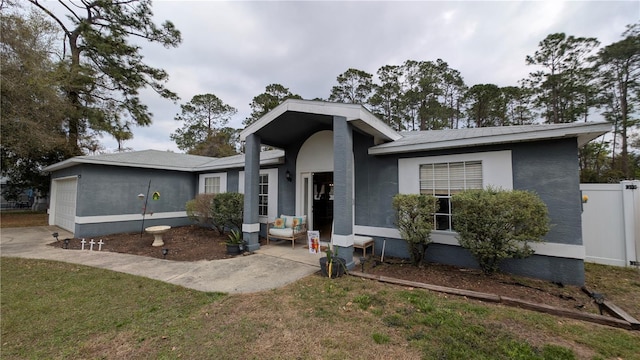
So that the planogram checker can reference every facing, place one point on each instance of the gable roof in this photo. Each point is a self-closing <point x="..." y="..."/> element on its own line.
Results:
<point x="164" y="160"/>
<point x="269" y="157"/>
<point x="457" y="138"/>
<point x="291" y="111"/>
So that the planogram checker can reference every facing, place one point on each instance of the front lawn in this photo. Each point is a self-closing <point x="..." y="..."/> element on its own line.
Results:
<point x="58" y="310"/>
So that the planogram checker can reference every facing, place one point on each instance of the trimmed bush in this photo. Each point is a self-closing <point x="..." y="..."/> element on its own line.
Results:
<point x="227" y="210"/>
<point x="199" y="209"/>
<point x="414" y="218"/>
<point x="495" y="224"/>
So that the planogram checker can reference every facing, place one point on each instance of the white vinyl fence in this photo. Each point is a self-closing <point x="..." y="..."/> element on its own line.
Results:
<point x="611" y="223"/>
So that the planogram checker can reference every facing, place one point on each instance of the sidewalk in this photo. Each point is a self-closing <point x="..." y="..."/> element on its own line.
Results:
<point x="270" y="267"/>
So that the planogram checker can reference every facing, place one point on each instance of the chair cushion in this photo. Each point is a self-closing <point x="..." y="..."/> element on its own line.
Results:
<point x="361" y="240"/>
<point x="289" y="219"/>
<point x="286" y="232"/>
<point x="297" y="223"/>
<point x="279" y="223"/>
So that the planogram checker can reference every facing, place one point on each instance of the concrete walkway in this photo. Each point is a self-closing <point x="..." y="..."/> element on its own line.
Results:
<point x="270" y="267"/>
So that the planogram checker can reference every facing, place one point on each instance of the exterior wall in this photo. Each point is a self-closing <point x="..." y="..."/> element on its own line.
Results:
<point x="549" y="168"/>
<point x="108" y="198"/>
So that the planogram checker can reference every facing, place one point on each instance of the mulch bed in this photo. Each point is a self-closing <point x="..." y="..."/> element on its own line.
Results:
<point x="194" y="243"/>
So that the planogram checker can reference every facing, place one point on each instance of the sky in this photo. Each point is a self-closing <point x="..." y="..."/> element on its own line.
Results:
<point x="235" y="49"/>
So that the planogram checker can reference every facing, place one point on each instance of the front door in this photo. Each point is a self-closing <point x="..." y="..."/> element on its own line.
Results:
<point x="323" y="204"/>
<point x="317" y="193"/>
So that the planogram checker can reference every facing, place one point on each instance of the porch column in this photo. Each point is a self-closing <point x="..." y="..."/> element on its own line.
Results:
<point x="250" y="223"/>
<point x="343" y="189"/>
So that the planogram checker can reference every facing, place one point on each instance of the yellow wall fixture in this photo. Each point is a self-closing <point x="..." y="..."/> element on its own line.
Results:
<point x="156" y="195"/>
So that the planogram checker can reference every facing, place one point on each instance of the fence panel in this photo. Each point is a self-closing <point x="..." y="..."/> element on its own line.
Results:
<point x="610" y="223"/>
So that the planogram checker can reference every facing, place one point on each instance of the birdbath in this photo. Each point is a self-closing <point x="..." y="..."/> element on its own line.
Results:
<point x="157" y="232"/>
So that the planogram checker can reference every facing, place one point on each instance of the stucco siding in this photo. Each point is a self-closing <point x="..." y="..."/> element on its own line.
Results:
<point x="107" y="200"/>
<point x="109" y="190"/>
<point x="551" y="170"/>
<point x="376" y="183"/>
<point x="232" y="180"/>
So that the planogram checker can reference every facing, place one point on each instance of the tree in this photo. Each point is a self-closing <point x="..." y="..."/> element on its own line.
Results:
<point x="433" y="94"/>
<point x="31" y="108"/>
<point x="224" y="142"/>
<point x="273" y="95"/>
<point x="486" y="106"/>
<point x="618" y="67"/>
<point x="354" y="86"/>
<point x="562" y="88"/>
<point x="386" y="100"/>
<point x="518" y="102"/>
<point x="202" y="118"/>
<point x="594" y="162"/>
<point x="102" y="66"/>
<point x="453" y="90"/>
<point x="121" y="132"/>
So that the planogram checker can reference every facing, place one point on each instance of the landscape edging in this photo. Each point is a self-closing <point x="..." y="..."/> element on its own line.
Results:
<point x="594" y="318"/>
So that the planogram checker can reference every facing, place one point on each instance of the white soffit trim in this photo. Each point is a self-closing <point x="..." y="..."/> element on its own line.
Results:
<point x="358" y="114"/>
<point x="584" y="132"/>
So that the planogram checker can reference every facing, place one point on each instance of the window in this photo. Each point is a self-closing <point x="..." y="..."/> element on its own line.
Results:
<point x="445" y="179"/>
<point x="263" y="195"/>
<point x="212" y="185"/>
<point x="267" y="193"/>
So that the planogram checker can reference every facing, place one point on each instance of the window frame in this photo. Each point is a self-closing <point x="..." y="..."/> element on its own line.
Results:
<point x="221" y="176"/>
<point x="272" y="198"/>
<point x="497" y="171"/>
<point x="263" y="198"/>
<point x="442" y="219"/>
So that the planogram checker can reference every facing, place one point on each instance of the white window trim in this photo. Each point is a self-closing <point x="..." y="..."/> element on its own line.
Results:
<point x="272" y="211"/>
<point x="223" y="181"/>
<point x="496" y="169"/>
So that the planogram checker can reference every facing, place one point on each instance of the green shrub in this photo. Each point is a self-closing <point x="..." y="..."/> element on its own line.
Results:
<point x="227" y="210"/>
<point x="414" y="217"/>
<point x="496" y="224"/>
<point x="199" y="209"/>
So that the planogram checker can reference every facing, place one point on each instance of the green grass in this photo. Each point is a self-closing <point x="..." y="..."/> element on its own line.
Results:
<point x="52" y="309"/>
<point x="57" y="310"/>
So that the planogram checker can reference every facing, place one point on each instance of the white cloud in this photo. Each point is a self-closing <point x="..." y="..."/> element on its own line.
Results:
<point x="235" y="49"/>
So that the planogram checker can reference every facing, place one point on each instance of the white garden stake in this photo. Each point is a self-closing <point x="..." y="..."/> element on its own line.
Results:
<point x="100" y="243"/>
<point x="83" y="242"/>
<point x="91" y="243"/>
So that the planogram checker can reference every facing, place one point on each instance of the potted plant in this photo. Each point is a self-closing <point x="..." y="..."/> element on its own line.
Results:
<point x="234" y="242"/>
<point x="331" y="265"/>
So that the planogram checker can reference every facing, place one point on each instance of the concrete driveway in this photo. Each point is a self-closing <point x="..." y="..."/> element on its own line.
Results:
<point x="270" y="267"/>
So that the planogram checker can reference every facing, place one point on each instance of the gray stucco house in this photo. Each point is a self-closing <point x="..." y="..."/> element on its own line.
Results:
<point x="341" y="166"/>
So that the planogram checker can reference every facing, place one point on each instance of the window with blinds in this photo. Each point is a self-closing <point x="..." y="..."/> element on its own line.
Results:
<point x="445" y="179"/>
<point x="212" y="185"/>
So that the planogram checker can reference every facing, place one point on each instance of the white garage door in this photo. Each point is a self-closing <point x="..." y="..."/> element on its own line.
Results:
<point x="65" y="203"/>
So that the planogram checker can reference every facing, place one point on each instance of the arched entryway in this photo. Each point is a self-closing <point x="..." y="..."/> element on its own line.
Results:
<point x="314" y="174"/>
